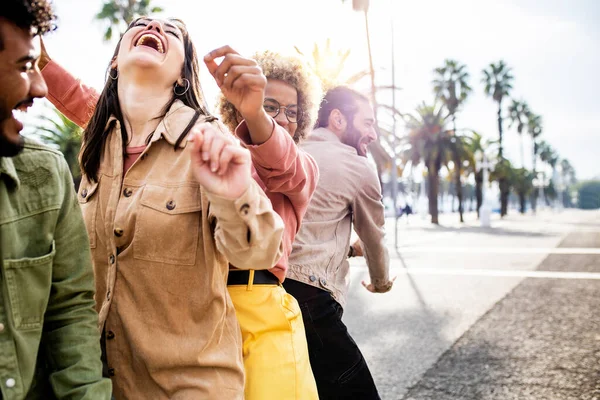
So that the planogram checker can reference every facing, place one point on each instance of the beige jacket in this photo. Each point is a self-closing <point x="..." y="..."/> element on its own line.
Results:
<point x="348" y="194"/>
<point x="160" y="247"/>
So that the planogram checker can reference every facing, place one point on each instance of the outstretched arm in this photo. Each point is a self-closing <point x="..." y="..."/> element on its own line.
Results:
<point x="369" y="224"/>
<point x="279" y="163"/>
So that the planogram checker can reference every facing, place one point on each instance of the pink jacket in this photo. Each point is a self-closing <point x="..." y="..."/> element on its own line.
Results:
<point x="286" y="173"/>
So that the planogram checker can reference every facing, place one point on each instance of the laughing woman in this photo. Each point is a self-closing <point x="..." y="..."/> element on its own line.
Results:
<point x="168" y="200"/>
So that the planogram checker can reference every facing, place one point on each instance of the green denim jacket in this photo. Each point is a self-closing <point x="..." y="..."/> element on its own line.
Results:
<point x="49" y="339"/>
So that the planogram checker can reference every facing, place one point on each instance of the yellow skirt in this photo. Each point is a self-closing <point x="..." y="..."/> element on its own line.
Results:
<point x="274" y="344"/>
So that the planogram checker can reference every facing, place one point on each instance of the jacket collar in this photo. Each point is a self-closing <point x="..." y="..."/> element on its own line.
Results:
<point x="8" y="171"/>
<point x="172" y="125"/>
<point x="324" y="135"/>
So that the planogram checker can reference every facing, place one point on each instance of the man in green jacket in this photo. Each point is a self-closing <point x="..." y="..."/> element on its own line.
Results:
<point x="49" y="339"/>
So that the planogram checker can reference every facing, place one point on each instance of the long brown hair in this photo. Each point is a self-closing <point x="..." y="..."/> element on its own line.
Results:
<point x="97" y="132"/>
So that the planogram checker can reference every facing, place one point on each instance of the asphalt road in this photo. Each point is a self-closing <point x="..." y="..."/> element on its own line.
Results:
<point x="485" y="313"/>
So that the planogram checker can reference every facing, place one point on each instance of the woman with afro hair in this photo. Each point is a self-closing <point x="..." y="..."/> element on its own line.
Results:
<point x="271" y="102"/>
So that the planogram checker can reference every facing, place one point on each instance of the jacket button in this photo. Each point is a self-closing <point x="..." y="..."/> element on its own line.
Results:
<point x="84" y="193"/>
<point x="323" y="282"/>
<point x="111" y="259"/>
<point x="170" y="205"/>
<point x="312" y="278"/>
<point x="110" y="335"/>
<point x="1" y="327"/>
<point x="108" y="295"/>
<point x="127" y="192"/>
<point x="118" y="232"/>
<point x="111" y="372"/>
<point x="244" y="209"/>
<point x="10" y="382"/>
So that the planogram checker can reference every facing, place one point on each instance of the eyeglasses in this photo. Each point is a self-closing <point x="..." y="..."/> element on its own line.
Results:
<point x="272" y="107"/>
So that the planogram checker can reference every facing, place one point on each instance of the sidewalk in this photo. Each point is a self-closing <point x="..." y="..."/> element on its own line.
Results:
<point x="541" y="342"/>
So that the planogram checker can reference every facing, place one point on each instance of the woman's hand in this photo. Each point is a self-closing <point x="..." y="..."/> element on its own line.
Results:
<point x="219" y="164"/>
<point x="241" y="80"/>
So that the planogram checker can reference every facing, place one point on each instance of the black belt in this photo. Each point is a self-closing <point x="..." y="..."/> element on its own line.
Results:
<point x="242" y="277"/>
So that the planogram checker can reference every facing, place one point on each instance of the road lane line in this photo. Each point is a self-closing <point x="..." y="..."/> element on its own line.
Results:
<point x="491" y="273"/>
<point x="500" y="250"/>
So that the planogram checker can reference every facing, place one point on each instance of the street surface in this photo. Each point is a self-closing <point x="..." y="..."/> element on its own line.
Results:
<point x="507" y="312"/>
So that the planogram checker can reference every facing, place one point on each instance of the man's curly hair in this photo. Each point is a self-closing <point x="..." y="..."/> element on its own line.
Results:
<point x="293" y="71"/>
<point x="34" y="15"/>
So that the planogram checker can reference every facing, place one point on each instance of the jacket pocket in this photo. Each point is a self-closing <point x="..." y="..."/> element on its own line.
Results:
<point x="28" y="283"/>
<point x="167" y="226"/>
<point x="88" y="200"/>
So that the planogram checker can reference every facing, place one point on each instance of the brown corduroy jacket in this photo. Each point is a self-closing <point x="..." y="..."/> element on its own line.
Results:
<point x="160" y="247"/>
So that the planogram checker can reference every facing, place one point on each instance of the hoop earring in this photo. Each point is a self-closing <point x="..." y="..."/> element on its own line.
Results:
<point x="186" y="85"/>
<point x="114" y="78"/>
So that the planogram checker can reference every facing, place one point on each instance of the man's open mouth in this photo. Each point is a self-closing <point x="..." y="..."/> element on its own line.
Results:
<point x="20" y="111"/>
<point x="152" y="41"/>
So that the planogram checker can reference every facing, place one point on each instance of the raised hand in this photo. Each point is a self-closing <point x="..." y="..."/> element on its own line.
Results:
<point x="219" y="164"/>
<point x="241" y="80"/>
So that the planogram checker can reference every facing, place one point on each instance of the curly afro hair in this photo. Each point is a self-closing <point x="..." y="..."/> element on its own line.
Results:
<point x="293" y="71"/>
<point x="34" y="15"/>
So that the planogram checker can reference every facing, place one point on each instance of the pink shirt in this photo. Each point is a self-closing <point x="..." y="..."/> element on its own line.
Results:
<point x="287" y="174"/>
<point x="133" y="153"/>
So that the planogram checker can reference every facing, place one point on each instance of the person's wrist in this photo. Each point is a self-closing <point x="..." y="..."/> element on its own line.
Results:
<point x="386" y="287"/>
<point x="254" y="115"/>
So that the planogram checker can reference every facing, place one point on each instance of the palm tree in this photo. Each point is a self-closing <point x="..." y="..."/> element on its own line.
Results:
<point x="518" y="112"/>
<point x="547" y="153"/>
<point x="522" y="182"/>
<point x="329" y="65"/>
<point x="65" y="135"/>
<point x="550" y="157"/>
<point x="473" y="146"/>
<point x="568" y="172"/>
<point x="460" y="149"/>
<point x="503" y="174"/>
<point x="569" y="178"/>
<point x="120" y="13"/>
<point x="450" y="86"/>
<point x="429" y="141"/>
<point x="498" y="84"/>
<point x="534" y="129"/>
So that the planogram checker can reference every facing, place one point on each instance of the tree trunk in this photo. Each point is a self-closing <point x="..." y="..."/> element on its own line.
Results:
<point x="457" y="167"/>
<point x="479" y="190"/>
<point x="534" y="165"/>
<point x="459" y="192"/>
<point x="504" y="192"/>
<point x="500" y="149"/>
<point x="522" y="152"/>
<point x="521" y="202"/>
<point x="433" y="183"/>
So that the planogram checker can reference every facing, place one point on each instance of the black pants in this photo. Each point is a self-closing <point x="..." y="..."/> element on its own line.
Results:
<point x="339" y="367"/>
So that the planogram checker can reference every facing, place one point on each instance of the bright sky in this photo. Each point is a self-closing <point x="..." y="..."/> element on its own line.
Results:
<point x="552" y="47"/>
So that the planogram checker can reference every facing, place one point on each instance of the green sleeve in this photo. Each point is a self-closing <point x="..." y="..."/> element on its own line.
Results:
<point x="71" y="336"/>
